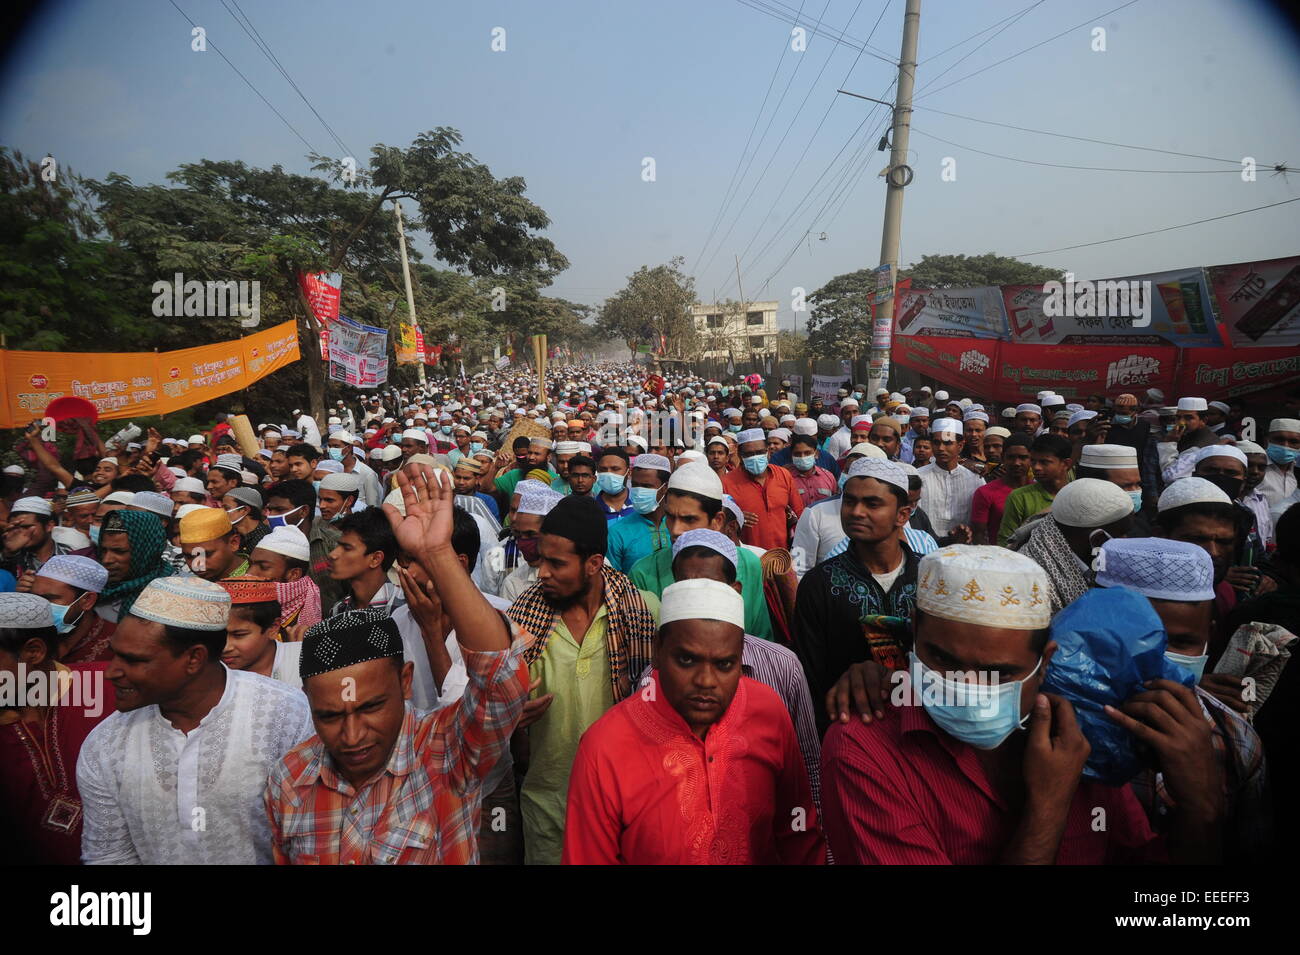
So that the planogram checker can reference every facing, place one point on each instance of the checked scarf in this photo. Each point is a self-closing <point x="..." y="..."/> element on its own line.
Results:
<point x="148" y="539"/>
<point x="1049" y="549"/>
<point x="631" y="627"/>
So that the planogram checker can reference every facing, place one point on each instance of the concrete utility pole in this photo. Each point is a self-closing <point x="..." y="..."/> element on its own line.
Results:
<point x="406" y="274"/>
<point x="897" y="178"/>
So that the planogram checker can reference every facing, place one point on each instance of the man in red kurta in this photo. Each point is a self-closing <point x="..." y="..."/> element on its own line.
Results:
<point x="701" y="766"/>
<point x="766" y="494"/>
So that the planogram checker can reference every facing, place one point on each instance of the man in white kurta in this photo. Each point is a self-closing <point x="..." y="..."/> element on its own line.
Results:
<point x="947" y="488"/>
<point x="184" y="788"/>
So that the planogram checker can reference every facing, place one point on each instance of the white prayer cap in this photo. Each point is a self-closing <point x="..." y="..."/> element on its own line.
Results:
<point x="391" y="453"/>
<point x="189" y="509"/>
<point x="703" y="537"/>
<point x="902" y="411"/>
<point x="1029" y="406"/>
<point x="640" y="442"/>
<point x="886" y="390"/>
<point x="416" y="434"/>
<point x="334" y="419"/>
<point x="1250" y="447"/>
<point x="975" y="416"/>
<point x="867" y="450"/>
<point x="329" y="466"/>
<point x="805" y="426"/>
<point x="584" y="447"/>
<point x="782" y="434"/>
<point x="83" y="573"/>
<point x="376" y="453"/>
<point x="1073" y="406"/>
<point x="988" y="586"/>
<point x="288" y="541"/>
<point x="229" y="462"/>
<point x="195" y="439"/>
<point x="946" y="426"/>
<point x="751" y="434"/>
<point x="14" y="469"/>
<point x="1157" y="568"/>
<point x="698" y="479"/>
<point x="70" y="538"/>
<point x="538" y="500"/>
<point x="827" y="421"/>
<point x="1053" y="401"/>
<point x="848" y="403"/>
<point x="154" y="503"/>
<point x="941" y="395"/>
<point x="1008" y="412"/>
<point x="1284" y="424"/>
<point x="731" y="412"/>
<point x="566" y="447"/>
<point x="31" y="505"/>
<point x="1155" y="394"/>
<point x="1089" y="502"/>
<point x="1190" y="490"/>
<point x="700" y="599"/>
<point x="189" y="602"/>
<point x="178" y="472"/>
<point x="788" y="419"/>
<point x="1220" y="406"/>
<point x="858" y="419"/>
<point x="1078" y="416"/>
<point x="882" y="470"/>
<point x="719" y="439"/>
<point x="341" y="481"/>
<point x="686" y="457"/>
<point x="920" y="413"/>
<point x="908" y="469"/>
<point x="997" y="432"/>
<point x="1192" y="404"/>
<point x="736" y="510"/>
<point x="897" y="396"/>
<point x="120" y="497"/>
<point x="30" y="612"/>
<point x="347" y="437"/>
<point x="1220" y="451"/>
<point x="1108" y="456"/>
<point x="652" y="462"/>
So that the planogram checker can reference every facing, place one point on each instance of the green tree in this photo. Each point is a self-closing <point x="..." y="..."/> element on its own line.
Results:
<point x="655" y="302"/>
<point x="966" y="271"/>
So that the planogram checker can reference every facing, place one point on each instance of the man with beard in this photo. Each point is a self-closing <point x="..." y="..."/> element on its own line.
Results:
<point x="594" y="631"/>
<point x="176" y="775"/>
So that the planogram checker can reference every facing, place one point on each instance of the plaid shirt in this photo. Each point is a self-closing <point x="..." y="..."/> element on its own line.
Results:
<point x="423" y="808"/>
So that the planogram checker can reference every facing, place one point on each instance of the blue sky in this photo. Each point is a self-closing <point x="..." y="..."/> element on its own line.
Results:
<point x="584" y="91"/>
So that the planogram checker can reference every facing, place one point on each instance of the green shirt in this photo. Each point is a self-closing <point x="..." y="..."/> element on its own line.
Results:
<point x="1022" y="504"/>
<point x="578" y="675"/>
<point x="506" y="483"/>
<point x="655" y="572"/>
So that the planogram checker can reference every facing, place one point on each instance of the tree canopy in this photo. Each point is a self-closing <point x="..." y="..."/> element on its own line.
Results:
<point x="655" y="302"/>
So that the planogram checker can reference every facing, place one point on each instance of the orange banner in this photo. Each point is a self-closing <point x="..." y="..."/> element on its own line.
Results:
<point x="139" y="384"/>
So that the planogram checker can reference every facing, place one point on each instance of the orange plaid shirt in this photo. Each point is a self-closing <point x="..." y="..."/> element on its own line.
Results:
<point x="423" y="808"/>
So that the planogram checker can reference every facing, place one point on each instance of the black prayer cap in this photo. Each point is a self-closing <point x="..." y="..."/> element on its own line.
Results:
<point x="581" y="520"/>
<point x="348" y="638"/>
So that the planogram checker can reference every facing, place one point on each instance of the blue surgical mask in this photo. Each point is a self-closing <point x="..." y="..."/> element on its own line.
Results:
<point x="475" y="447"/>
<point x="336" y="454"/>
<point x="1136" y="498"/>
<point x="644" y="499"/>
<point x="988" y="715"/>
<point x="316" y="487"/>
<point x="94" y="533"/>
<point x="733" y="428"/>
<point x="609" y="482"/>
<point x="805" y="463"/>
<point x="1122" y="419"/>
<point x="1195" y="664"/>
<point x="843" y="479"/>
<point x="59" y="613"/>
<point x="1282" y="455"/>
<point x="446" y="429"/>
<point x="755" y="464"/>
<point x="280" y="520"/>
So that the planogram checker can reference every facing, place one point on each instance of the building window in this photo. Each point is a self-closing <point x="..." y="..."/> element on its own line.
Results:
<point x="714" y="321"/>
<point x="754" y="318"/>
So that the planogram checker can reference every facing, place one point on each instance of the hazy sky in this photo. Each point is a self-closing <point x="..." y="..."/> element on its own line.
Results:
<point x="586" y="90"/>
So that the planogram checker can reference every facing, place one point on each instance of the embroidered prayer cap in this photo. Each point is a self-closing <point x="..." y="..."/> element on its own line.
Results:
<point x="997" y="432"/>
<point x="347" y="639"/>
<point x="1284" y="424"/>
<point x="120" y="497"/>
<point x="287" y="541"/>
<point x="1220" y="451"/>
<point x="827" y="421"/>
<point x="189" y="602"/>
<point x="975" y="416"/>
<point x="342" y="482"/>
<point x="1077" y="416"/>
<point x="231" y="463"/>
<point x="866" y="449"/>
<point x="1029" y="407"/>
<point x="920" y="413"/>
<point x="538" y="501"/>
<point x="880" y="469"/>
<point x="1053" y="401"/>
<point x="25" y="612"/>
<point x="941" y="395"/>
<point x="1108" y="456"/>
<point x="703" y="537"/>
<point x="1089" y="502"/>
<point x="83" y="573"/>
<point x="989" y="586"/>
<point x="206" y="524"/>
<point x="1192" y="404"/>
<point x="1190" y="490"/>
<point x="31" y="505"/>
<point x="698" y="479"/>
<point x="639" y="441"/>
<point x="246" y="590"/>
<point x="472" y="465"/>
<point x="701" y="599"/>
<point x="652" y="462"/>
<point x="1245" y="447"/>
<point x="566" y="447"/>
<point x="805" y="426"/>
<point x="1157" y="567"/>
<point x="946" y="426"/>
<point x="154" y="503"/>
<point x="753" y="434"/>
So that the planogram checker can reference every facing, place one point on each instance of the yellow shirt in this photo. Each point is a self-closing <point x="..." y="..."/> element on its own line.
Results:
<point x="578" y="675"/>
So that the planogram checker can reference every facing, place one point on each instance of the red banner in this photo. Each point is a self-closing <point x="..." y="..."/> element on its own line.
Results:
<point x="1230" y="372"/>
<point x="968" y="364"/>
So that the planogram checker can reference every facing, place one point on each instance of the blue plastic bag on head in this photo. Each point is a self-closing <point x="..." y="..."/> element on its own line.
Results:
<point x="1109" y="642"/>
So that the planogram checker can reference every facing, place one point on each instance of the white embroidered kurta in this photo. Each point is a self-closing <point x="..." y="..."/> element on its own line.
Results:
<point x="153" y="795"/>
<point x="946" y="496"/>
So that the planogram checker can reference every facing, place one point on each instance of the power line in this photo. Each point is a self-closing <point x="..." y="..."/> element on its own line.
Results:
<point x="256" y="36"/>
<point x="974" y="35"/>
<point x="1034" y="47"/>
<point x="1058" y="165"/>
<point x="248" y="81"/>
<point x="1013" y="20"/>
<point x="1137" y="235"/>
<point x="843" y="34"/>
<point x="758" y="6"/>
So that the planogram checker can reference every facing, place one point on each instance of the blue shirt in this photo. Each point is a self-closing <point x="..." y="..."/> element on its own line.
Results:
<point x="824" y="460"/>
<point x="634" y="537"/>
<point x="491" y="503"/>
<point x="612" y="515"/>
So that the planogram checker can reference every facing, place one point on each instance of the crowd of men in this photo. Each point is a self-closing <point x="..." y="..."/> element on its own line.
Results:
<point x="645" y="618"/>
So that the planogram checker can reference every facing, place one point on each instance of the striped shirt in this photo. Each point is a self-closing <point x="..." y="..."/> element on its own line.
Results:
<point x="919" y="541"/>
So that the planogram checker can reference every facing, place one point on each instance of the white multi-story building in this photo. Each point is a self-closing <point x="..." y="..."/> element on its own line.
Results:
<point x="751" y="332"/>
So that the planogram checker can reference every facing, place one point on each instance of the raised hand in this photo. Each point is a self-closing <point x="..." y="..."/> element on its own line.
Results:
<point x="427" y="495"/>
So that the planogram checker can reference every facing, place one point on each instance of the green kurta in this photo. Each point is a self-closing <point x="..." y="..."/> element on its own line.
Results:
<point x="655" y="572"/>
